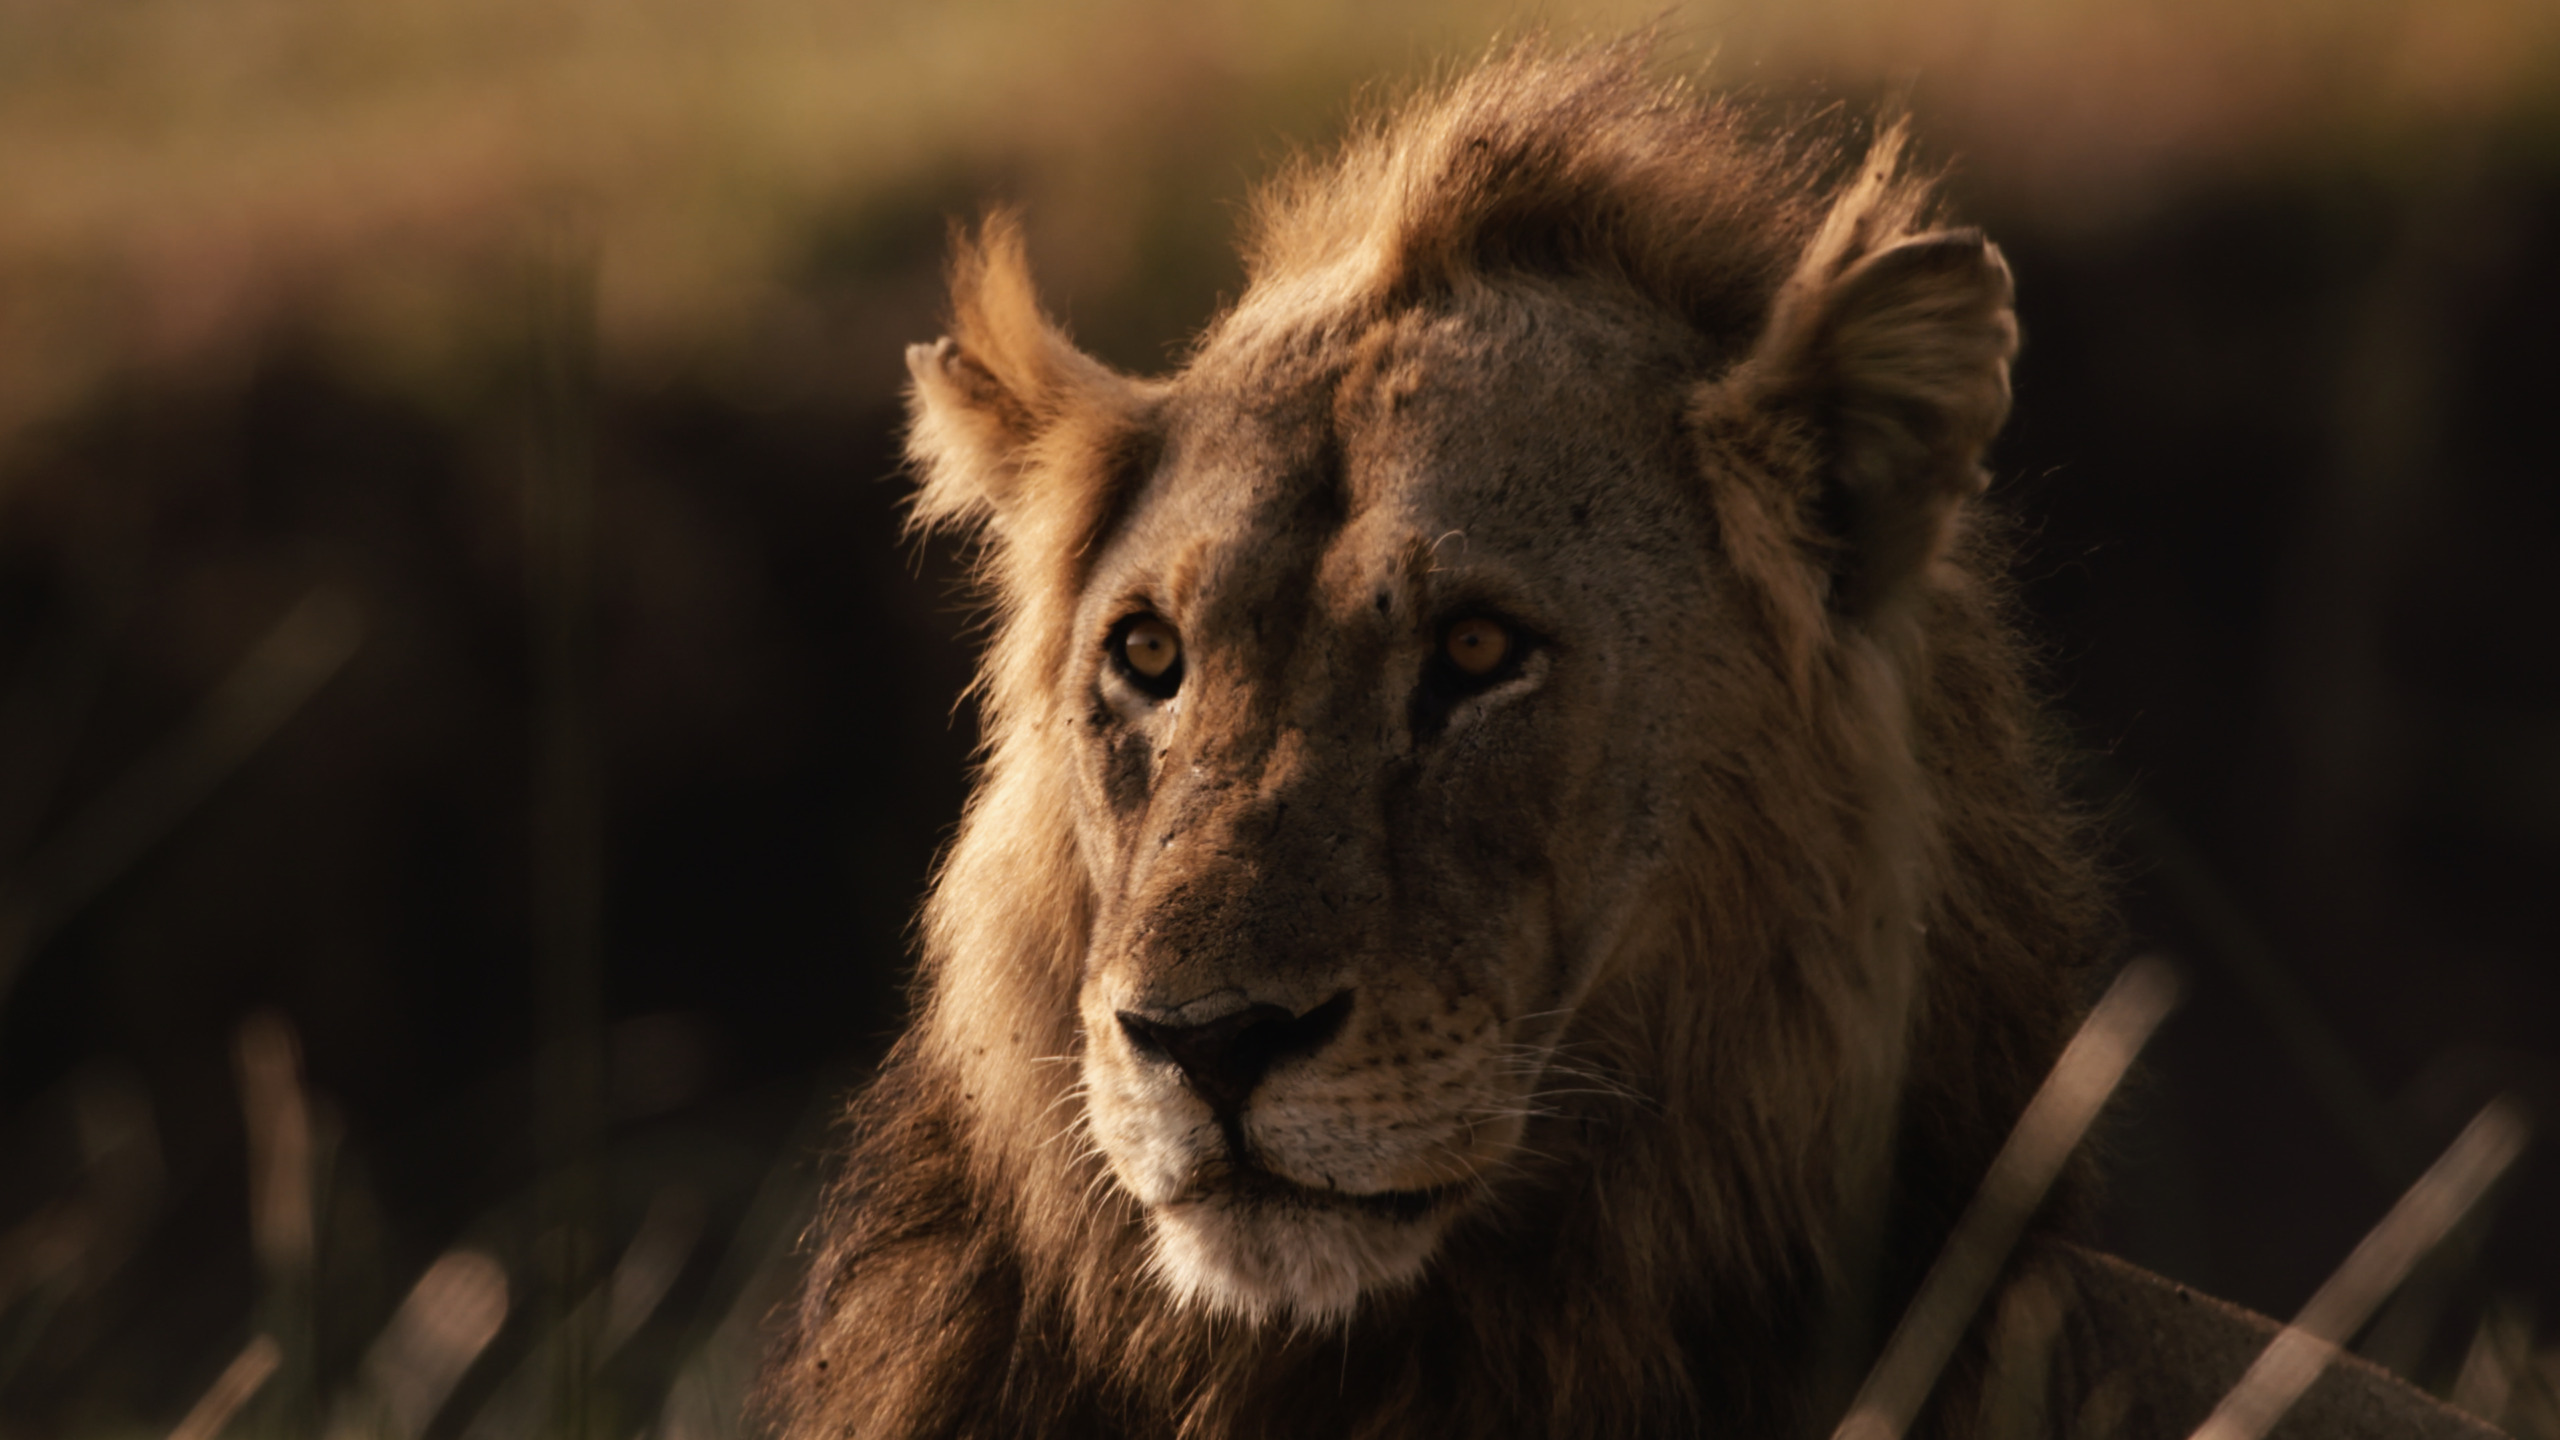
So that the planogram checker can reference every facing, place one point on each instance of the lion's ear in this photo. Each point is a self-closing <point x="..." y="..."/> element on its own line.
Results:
<point x="986" y="395"/>
<point x="1899" y="360"/>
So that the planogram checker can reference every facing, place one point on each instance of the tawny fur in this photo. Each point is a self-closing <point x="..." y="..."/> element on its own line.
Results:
<point x="1782" y="1059"/>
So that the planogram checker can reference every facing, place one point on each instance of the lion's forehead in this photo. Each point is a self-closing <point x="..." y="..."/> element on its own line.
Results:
<point x="1425" y="454"/>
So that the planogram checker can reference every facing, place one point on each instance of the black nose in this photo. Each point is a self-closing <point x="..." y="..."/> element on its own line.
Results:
<point x="1224" y="1059"/>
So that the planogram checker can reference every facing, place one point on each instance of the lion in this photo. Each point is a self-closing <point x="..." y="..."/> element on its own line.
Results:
<point x="1517" y="880"/>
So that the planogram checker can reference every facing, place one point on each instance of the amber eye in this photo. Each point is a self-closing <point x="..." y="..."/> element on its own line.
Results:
<point x="1151" y="648"/>
<point x="1477" y="646"/>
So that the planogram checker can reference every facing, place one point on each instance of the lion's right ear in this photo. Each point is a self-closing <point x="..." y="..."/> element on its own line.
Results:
<point x="1891" y="349"/>
<point x="990" y="397"/>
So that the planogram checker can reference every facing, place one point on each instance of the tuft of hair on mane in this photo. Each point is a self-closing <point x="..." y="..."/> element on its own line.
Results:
<point x="1569" y="164"/>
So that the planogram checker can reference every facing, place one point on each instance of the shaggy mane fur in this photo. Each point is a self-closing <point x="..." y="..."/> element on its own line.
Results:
<point x="1771" y="1152"/>
<point x="1557" y="169"/>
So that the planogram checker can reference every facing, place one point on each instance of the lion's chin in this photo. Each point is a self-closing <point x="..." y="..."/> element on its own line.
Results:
<point x="1300" y="1257"/>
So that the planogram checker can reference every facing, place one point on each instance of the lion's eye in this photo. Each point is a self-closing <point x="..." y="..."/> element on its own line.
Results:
<point x="1477" y="646"/>
<point x="1477" y="654"/>
<point x="1148" y="653"/>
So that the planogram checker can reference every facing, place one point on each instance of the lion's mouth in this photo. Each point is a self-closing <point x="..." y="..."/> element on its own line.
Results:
<point x="1252" y="1185"/>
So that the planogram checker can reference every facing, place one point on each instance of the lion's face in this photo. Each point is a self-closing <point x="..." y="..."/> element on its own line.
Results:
<point x="1377" y="683"/>
<point x="1432" y="658"/>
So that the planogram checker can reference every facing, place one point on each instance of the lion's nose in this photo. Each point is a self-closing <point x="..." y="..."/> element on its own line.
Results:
<point x="1223" y="1059"/>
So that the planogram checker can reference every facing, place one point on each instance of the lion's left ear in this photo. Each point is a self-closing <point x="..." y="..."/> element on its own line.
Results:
<point x="1898" y="359"/>
<point x="998" y="406"/>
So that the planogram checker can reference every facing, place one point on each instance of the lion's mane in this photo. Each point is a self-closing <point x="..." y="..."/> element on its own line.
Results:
<point x="1876" y="927"/>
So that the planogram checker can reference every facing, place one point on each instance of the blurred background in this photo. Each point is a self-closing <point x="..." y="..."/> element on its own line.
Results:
<point x="472" y="738"/>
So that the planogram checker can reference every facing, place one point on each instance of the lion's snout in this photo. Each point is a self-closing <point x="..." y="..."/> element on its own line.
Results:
<point x="1223" y="1059"/>
<point x="1293" y="1156"/>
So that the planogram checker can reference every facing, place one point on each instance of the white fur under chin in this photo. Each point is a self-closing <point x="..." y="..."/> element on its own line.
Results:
<point x="1265" y="1262"/>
